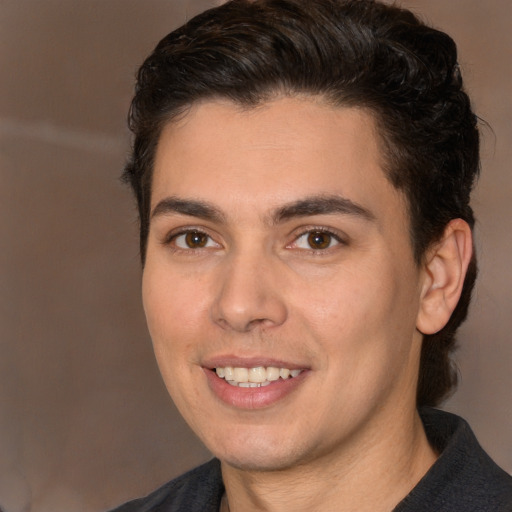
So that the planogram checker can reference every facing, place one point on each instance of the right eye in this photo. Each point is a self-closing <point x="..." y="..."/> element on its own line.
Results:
<point x="317" y="240"/>
<point x="192" y="239"/>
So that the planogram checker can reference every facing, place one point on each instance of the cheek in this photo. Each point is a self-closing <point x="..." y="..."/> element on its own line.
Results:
<point x="174" y="304"/>
<point x="174" y="317"/>
<point x="343" y="299"/>
<point x="363" y="312"/>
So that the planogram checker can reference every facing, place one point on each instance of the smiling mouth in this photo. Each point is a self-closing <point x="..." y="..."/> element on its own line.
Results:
<point x="255" y="377"/>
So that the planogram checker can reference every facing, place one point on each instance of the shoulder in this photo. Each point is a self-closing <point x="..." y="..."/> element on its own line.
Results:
<point x="464" y="478"/>
<point x="199" y="490"/>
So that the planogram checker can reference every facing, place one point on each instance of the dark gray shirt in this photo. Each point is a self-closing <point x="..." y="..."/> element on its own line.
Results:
<point x="463" y="479"/>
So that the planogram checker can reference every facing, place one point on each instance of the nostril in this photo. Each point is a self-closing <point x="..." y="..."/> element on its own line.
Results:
<point x="247" y="297"/>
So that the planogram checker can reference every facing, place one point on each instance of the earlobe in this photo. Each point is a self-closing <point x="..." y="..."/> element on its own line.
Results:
<point x="444" y="273"/>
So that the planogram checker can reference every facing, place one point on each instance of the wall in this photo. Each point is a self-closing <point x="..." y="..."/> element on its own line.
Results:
<point x="85" y="422"/>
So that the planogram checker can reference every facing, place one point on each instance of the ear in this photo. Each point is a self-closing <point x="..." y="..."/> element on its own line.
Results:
<point x="444" y="272"/>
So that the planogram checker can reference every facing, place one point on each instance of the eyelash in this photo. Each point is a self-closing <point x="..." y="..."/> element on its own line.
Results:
<point x="340" y="240"/>
<point x="171" y="238"/>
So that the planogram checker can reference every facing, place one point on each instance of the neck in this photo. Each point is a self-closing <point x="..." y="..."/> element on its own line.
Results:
<point x="374" y="474"/>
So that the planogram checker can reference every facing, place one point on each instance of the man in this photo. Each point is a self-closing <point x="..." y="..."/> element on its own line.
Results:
<point x="303" y="172"/>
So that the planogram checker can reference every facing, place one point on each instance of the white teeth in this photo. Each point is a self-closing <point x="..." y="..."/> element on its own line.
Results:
<point x="248" y="384"/>
<point x="258" y="374"/>
<point x="284" y="373"/>
<point x="241" y="374"/>
<point x="254" y="377"/>
<point x="272" y="373"/>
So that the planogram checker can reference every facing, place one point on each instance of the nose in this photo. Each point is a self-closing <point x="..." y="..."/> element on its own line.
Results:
<point x="248" y="294"/>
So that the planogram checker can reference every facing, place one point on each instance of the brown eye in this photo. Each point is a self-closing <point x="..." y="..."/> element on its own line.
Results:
<point x="316" y="240"/>
<point x="189" y="240"/>
<point x="319" y="240"/>
<point x="196" y="239"/>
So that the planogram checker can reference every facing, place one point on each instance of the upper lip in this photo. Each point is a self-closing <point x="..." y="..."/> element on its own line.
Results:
<point x="223" y="361"/>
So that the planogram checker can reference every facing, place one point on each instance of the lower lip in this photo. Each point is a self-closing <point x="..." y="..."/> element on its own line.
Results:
<point x="253" y="398"/>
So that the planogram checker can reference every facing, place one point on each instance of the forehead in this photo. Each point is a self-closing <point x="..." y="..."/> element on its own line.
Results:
<point x="272" y="154"/>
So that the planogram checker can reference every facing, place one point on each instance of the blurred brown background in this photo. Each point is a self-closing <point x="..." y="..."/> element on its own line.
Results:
<point x="85" y="422"/>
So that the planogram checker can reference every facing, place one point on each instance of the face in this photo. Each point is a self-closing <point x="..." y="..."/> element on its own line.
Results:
<point x="280" y="288"/>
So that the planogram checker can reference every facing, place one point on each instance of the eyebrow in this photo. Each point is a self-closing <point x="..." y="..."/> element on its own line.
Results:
<point x="190" y="207"/>
<point x="309" y="206"/>
<point x="321" y="205"/>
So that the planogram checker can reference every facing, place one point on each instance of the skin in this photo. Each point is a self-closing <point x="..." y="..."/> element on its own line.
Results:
<point x="254" y="287"/>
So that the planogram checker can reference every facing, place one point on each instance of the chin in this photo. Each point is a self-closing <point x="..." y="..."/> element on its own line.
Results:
<point x="260" y="453"/>
<point x="257" y="463"/>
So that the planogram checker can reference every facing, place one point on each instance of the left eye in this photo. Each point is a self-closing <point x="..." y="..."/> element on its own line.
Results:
<point x="316" y="240"/>
<point x="193" y="240"/>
